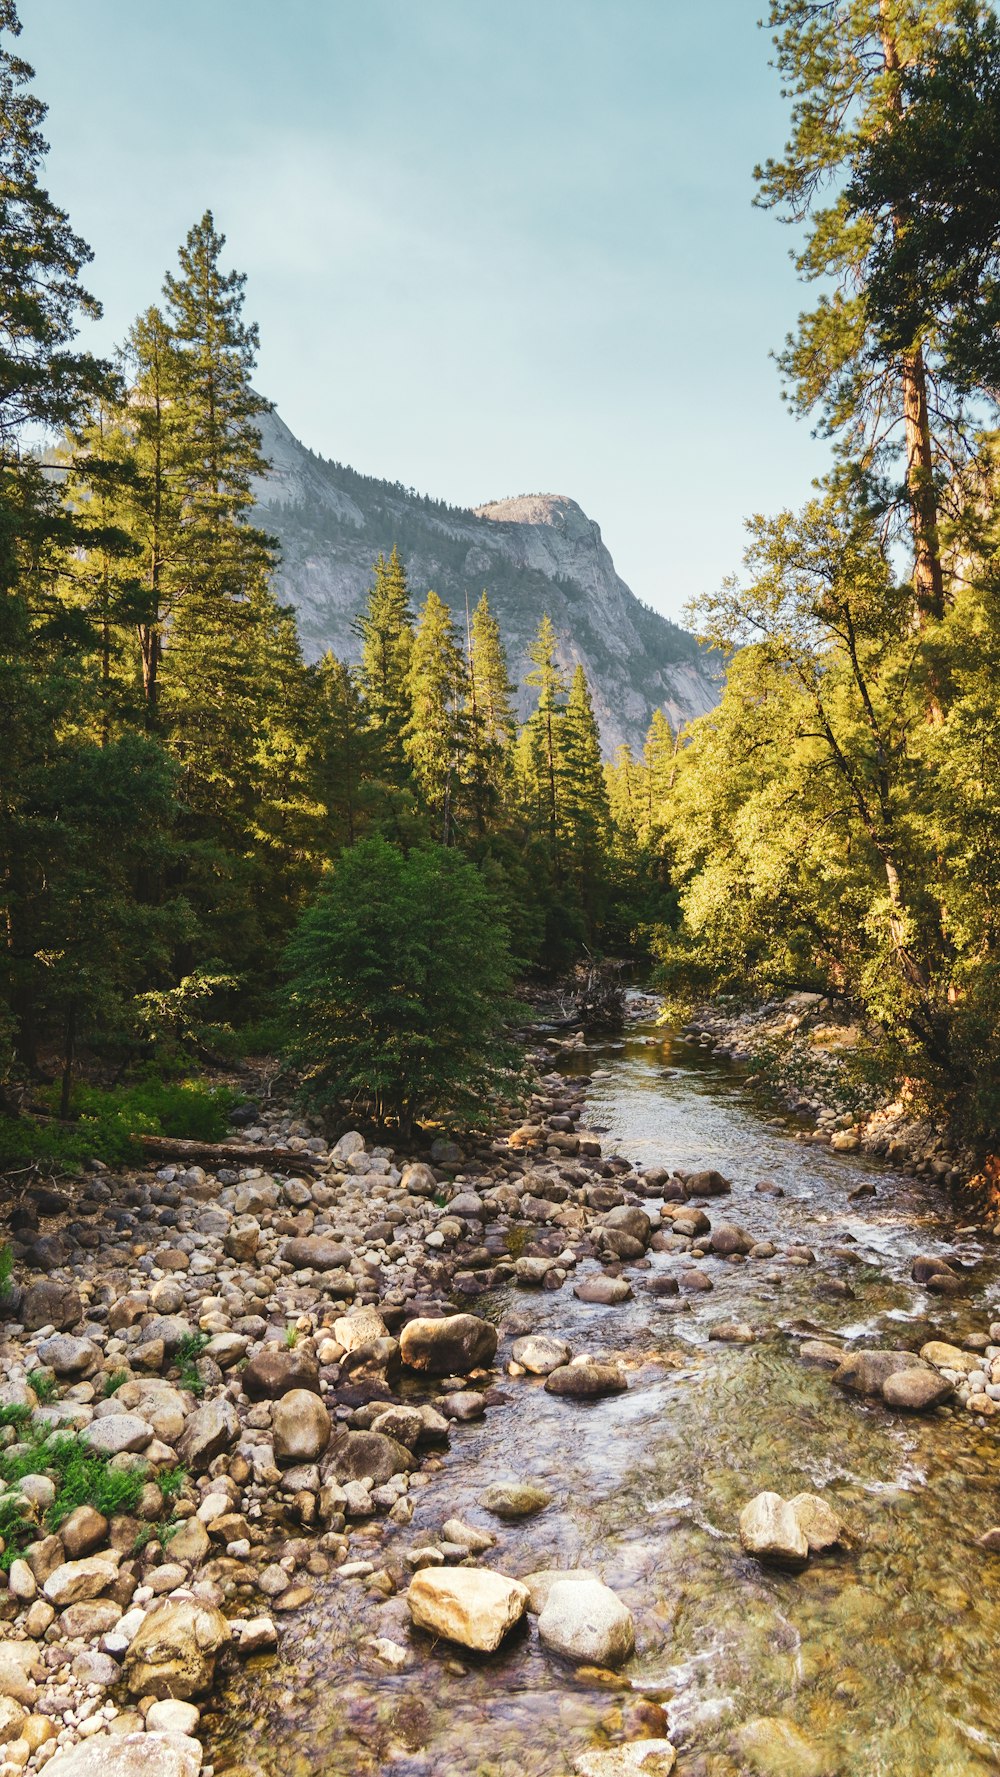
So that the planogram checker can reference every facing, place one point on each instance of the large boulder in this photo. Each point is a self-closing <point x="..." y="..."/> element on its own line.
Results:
<point x="727" y="1239"/>
<point x="72" y="1581"/>
<point x="51" y="1304"/>
<point x="770" y="1529"/>
<point x="275" y="1369"/>
<point x="172" y="1653"/>
<point x="584" y="1621"/>
<point x="949" y="1357"/>
<point x="118" y="1434"/>
<point x="366" y="1455"/>
<point x="129" y="1755"/>
<point x="363" y="1326"/>
<point x="68" y="1356"/>
<point x="211" y="1431"/>
<point x="469" y="1605"/>
<point x="301" y="1426"/>
<point x="916" y="1391"/>
<point x="607" y="1292"/>
<point x="449" y="1347"/>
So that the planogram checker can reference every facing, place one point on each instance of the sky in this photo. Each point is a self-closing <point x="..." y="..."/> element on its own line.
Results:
<point x="494" y="246"/>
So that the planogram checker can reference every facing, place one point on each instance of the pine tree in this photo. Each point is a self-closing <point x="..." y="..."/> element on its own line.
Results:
<point x="585" y="817"/>
<point x="539" y="757"/>
<point x="432" y="738"/>
<point x="491" y="723"/>
<point x="386" y="632"/>
<point x="44" y="384"/>
<point x="660" y="761"/>
<point x="842" y="63"/>
<point x="341" y="752"/>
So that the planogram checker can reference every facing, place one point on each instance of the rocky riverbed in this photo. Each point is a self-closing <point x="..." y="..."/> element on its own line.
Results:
<point x="506" y="1458"/>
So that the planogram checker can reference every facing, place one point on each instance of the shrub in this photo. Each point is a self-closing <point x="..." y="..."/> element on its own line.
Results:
<point x="106" y="1123"/>
<point x="400" y="976"/>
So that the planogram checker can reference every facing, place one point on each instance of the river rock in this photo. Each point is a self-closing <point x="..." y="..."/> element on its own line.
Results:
<point x="925" y="1267"/>
<point x="315" y="1252"/>
<point x="690" y="1223"/>
<point x="541" y="1582"/>
<point x="539" y="1354"/>
<point x="511" y="1500"/>
<point x="586" y="1379"/>
<point x="118" y="1434"/>
<point x="68" y="1356"/>
<point x="821" y="1353"/>
<point x="301" y="1427"/>
<point x="630" y="1219"/>
<point x="363" y="1326"/>
<point x="465" y="1536"/>
<point x="51" y="1304"/>
<point x="469" y="1605"/>
<point x="242" y="1238"/>
<point x="866" y="1372"/>
<point x="949" y="1357"/>
<point x="916" y="1391"/>
<point x="637" y="1758"/>
<point x="818" y="1522"/>
<point x="770" y="1530"/>
<point x="418" y="1180"/>
<point x="584" y="1621"/>
<point x="75" y="1580"/>
<point x="128" y="1755"/>
<point x="449" y="1347"/>
<point x="276" y="1369"/>
<point x="211" y="1431"/>
<point x="83" y="1531"/>
<point x="366" y="1455"/>
<point x="727" y="1239"/>
<point x="707" y="1184"/>
<point x="607" y="1292"/>
<point x="172" y="1653"/>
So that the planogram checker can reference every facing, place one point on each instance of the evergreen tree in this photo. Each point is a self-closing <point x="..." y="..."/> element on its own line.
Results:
<point x="585" y="816"/>
<point x="341" y="751"/>
<point x="491" y="723"/>
<point x="842" y="64"/>
<point x="386" y="632"/>
<point x="660" y="762"/>
<point x="433" y="736"/>
<point x="539" y="754"/>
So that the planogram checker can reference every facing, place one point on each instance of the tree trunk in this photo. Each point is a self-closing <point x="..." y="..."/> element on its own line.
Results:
<point x="205" y="1153"/>
<point x="928" y="578"/>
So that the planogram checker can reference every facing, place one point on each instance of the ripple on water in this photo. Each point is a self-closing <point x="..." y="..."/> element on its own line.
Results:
<point x="884" y="1654"/>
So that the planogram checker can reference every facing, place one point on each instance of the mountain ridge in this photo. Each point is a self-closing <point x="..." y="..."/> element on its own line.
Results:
<point x="531" y="552"/>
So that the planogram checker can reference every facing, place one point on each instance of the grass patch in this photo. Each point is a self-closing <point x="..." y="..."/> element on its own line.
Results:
<point x="105" y="1124"/>
<point x="113" y="1381"/>
<point x="81" y="1476"/>
<point x="6" y="1273"/>
<point x="45" y="1386"/>
<point x="188" y="1352"/>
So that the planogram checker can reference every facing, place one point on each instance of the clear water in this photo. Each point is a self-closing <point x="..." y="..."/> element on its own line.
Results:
<point x="884" y="1657"/>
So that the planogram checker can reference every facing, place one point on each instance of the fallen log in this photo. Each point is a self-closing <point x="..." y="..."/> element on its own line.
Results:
<point x="221" y="1153"/>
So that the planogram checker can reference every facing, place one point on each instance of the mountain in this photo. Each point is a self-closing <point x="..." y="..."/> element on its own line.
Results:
<point x="533" y="554"/>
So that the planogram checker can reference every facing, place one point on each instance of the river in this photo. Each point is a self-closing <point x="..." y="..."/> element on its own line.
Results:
<point x="884" y="1657"/>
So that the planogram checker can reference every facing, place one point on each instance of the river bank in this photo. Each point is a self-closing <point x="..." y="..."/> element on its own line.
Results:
<point x="805" y="1043"/>
<point x="339" y="1465"/>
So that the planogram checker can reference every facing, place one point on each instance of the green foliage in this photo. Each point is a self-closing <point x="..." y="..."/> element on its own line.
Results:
<point x="188" y="1352"/>
<point x="291" y="1336"/>
<point x="112" y="1381"/>
<point x="107" y="1123"/>
<point x="6" y="1272"/>
<point x="81" y="1477"/>
<point x="172" y="1481"/>
<point x="400" y="972"/>
<point x="45" y="1386"/>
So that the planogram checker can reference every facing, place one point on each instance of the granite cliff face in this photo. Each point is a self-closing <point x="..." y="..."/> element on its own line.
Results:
<point x="533" y="554"/>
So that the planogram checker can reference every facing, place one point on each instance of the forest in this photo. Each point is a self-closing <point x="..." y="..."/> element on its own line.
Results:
<point x="180" y="793"/>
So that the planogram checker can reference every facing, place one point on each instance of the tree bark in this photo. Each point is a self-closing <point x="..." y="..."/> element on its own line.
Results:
<point x="221" y="1153"/>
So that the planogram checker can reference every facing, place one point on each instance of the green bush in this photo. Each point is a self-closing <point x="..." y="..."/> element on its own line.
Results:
<point x="82" y="1476"/>
<point x="400" y="976"/>
<point x="106" y="1123"/>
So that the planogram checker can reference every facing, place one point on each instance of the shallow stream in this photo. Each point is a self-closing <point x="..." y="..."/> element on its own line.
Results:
<point x="885" y="1657"/>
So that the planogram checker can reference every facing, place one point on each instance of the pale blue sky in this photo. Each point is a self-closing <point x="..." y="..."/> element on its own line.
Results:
<point x="494" y="246"/>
